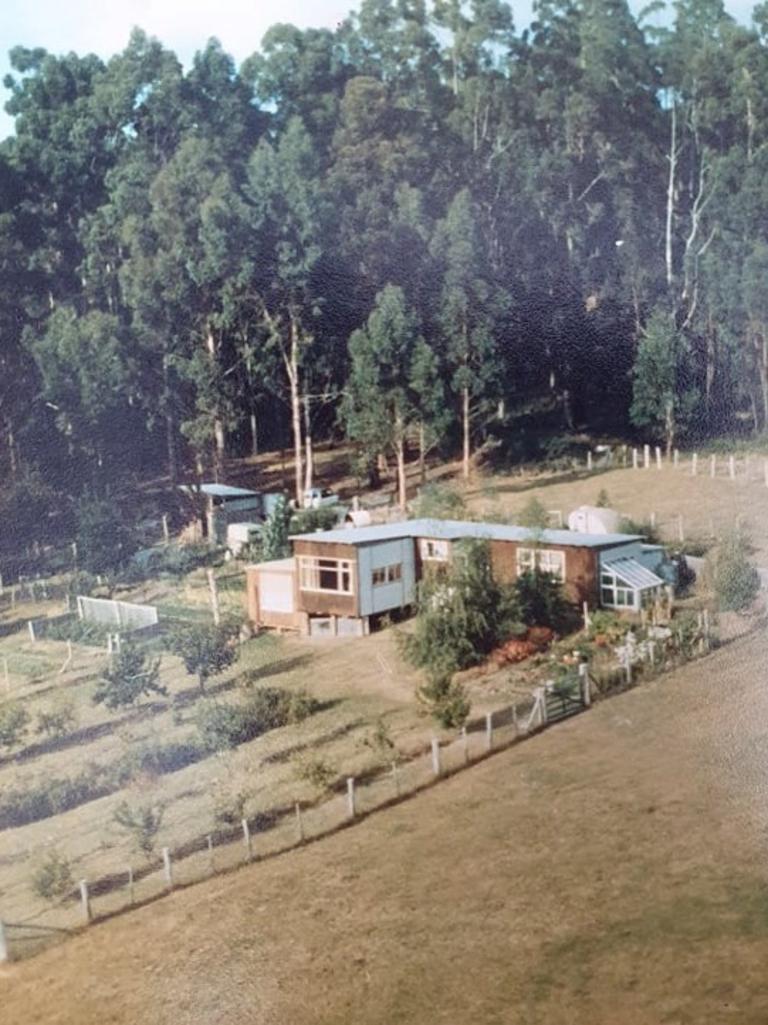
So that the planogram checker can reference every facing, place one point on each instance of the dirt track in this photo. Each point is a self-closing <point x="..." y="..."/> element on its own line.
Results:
<point x="612" y="871"/>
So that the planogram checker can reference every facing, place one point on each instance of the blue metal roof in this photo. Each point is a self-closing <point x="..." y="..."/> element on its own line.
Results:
<point x="456" y="530"/>
<point x="632" y="573"/>
<point x="220" y="491"/>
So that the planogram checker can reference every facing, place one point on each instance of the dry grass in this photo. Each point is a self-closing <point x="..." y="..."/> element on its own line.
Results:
<point x="611" y="870"/>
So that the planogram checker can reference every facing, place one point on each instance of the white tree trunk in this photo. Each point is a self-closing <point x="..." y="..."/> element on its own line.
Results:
<point x="672" y="158"/>
<point x="465" y="424"/>
<point x="292" y="367"/>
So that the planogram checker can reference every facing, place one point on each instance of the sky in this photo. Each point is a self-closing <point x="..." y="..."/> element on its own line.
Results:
<point x="103" y="27"/>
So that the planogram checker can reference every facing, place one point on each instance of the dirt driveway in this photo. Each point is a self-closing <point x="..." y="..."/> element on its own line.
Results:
<point x="612" y="871"/>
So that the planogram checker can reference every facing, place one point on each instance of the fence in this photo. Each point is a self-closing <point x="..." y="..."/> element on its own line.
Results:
<point x="122" y="614"/>
<point x="277" y="830"/>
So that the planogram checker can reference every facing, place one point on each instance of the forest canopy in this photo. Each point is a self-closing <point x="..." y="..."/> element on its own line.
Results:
<point x="422" y="224"/>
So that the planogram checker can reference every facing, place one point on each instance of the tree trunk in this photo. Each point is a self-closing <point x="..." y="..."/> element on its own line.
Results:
<point x="292" y="367"/>
<point x="254" y="434"/>
<point x="422" y="454"/>
<point x="219" y="443"/>
<point x="400" y="456"/>
<point x="309" y="469"/>
<point x="672" y="158"/>
<point x="669" y="428"/>
<point x="12" y="447"/>
<point x="465" y="424"/>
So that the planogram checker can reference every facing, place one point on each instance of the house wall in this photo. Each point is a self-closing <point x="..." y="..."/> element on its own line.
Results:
<point x="272" y="600"/>
<point x="319" y="603"/>
<point x="581" y="568"/>
<point x="386" y="596"/>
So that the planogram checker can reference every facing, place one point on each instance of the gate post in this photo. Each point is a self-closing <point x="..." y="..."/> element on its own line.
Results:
<point x="586" y="695"/>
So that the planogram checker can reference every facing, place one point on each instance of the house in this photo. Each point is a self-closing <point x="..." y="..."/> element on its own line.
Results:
<point x="339" y="581"/>
<point x="226" y="504"/>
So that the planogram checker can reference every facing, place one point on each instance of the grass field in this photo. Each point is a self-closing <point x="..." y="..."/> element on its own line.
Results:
<point x="611" y="870"/>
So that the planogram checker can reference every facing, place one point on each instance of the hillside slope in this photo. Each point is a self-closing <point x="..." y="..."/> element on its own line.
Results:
<point x="611" y="870"/>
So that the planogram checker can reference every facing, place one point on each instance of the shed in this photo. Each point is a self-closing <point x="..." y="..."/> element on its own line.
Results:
<point x="271" y="591"/>
<point x="593" y="519"/>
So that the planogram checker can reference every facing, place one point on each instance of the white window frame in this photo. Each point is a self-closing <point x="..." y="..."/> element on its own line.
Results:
<point x="433" y="550"/>
<point x="546" y="560"/>
<point x="612" y="590"/>
<point x="387" y="574"/>
<point x="311" y="566"/>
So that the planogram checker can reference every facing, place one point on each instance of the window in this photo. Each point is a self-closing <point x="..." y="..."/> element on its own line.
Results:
<point x="387" y="574"/>
<point x="334" y="575"/>
<point x="615" y="593"/>
<point x="545" y="560"/>
<point x="433" y="551"/>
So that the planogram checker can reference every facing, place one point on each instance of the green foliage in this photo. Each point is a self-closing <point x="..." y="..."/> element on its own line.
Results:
<point x="81" y="583"/>
<point x="52" y="878"/>
<point x="311" y="769"/>
<point x="274" y="536"/>
<point x="104" y="540"/>
<point x="540" y="601"/>
<point x="533" y="515"/>
<point x="26" y="501"/>
<point x="58" y="720"/>
<point x="306" y="521"/>
<point x="142" y="823"/>
<point x="380" y="741"/>
<point x="225" y="726"/>
<point x="79" y="631"/>
<point x="649" y="533"/>
<point x="128" y="676"/>
<point x="736" y="580"/>
<point x="14" y="720"/>
<point x="447" y="699"/>
<point x="440" y="502"/>
<point x="205" y="650"/>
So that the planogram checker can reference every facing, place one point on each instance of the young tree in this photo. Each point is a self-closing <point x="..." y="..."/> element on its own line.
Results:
<point x="104" y="541"/>
<point x="274" y="537"/>
<point x="383" y="398"/>
<point x="664" y="395"/>
<point x="130" y="675"/>
<point x="143" y="823"/>
<point x="205" y="650"/>
<point x="736" y="580"/>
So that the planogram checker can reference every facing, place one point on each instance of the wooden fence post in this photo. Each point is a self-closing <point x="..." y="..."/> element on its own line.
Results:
<point x="515" y="723"/>
<point x="166" y="532"/>
<point x="7" y="675"/>
<point x="247" y="839"/>
<point x="647" y="457"/>
<point x="675" y="458"/>
<point x="585" y="613"/>
<point x="351" y="796"/>
<point x="396" y="779"/>
<point x="5" y="954"/>
<point x="85" y="900"/>
<point x="542" y="699"/>
<point x="586" y="694"/>
<point x="634" y="458"/>
<point x="211" y="864"/>
<point x="465" y="744"/>
<point x="489" y="731"/>
<point x="31" y="627"/>
<point x="168" y="867"/>
<point x="694" y="464"/>
<point x="680" y="528"/>
<point x="299" y="823"/>
<point x="653" y="518"/>
<point x="589" y="461"/>
<point x="131" y="890"/>
<point x="658" y="458"/>
<point x="435" y="756"/>
<point x="731" y="467"/>
<point x="214" y="597"/>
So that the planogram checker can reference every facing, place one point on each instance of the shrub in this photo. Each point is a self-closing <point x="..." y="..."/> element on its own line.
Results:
<point x="57" y="721"/>
<point x="205" y="650"/>
<point x="630" y="526"/>
<point x="52" y="879"/>
<point x="440" y="502"/>
<point x="229" y="806"/>
<point x="447" y="700"/>
<point x="130" y="674"/>
<point x="224" y="726"/>
<point x="306" y="521"/>
<point x="736" y="580"/>
<point x="315" y="771"/>
<point x="603" y="499"/>
<point x="533" y="514"/>
<point x="14" y="720"/>
<point x="142" y="822"/>
<point x="79" y="631"/>
<point x="540" y="601"/>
